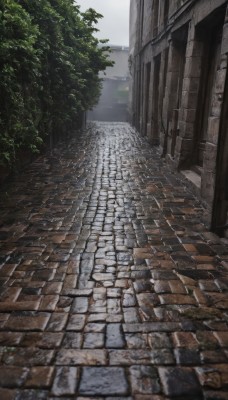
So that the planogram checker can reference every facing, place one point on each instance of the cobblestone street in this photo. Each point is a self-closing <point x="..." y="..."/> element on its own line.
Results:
<point x="111" y="286"/>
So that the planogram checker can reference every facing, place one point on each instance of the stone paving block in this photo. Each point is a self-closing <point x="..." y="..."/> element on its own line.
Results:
<point x="76" y="322"/>
<point x="209" y="377"/>
<point x="87" y="398"/>
<point x="162" y="357"/>
<point x="176" y="299"/>
<point x="206" y="340"/>
<point x="122" y="283"/>
<point x="114" y="292"/>
<point x="43" y="274"/>
<point x="20" y="306"/>
<point x="178" y="381"/>
<point x="7" y="394"/>
<point x="215" y="395"/>
<point x="72" y="340"/>
<point x="31" y="394"/>
<point x="80" y="305"/>
<point x="52" y="288"/>
<point x="27" y="321"/>
<point x="27" y="357"/>
<point x="148" y="397"/>
<point x="10" y="294"/>
<point x="57" y="322"/>
<point x="129" y="299"/>
<point x="11" y="376"/>
<point x="136" y="340"/>
<point x="163" y="275"/>
<point x="10" y="338"/>
<point x="31" y="295"/>
<point x="114" y="318"/>
<point x="3" y="319"/>
<point x="45" y="340"/>
<point x="144" y="380"/>
<point x="162" y="286"/>
<point x="177" y="287"/>
<point x="187" y="356"/>
<point x="39" y="377"/>
<point x="81" y="357"/>
<point x="98" y="304"/>
<point x="99" y="317"/>
<point x="48" y="303"/>
<point x="119" y="398"/>
<point x="200" y="297"/>
<point x="95" y="327"/>
<point x="112" y="277"/>
<point x="141" y="285"/>
<point x="99" y="293"/>
<point x="216" y="325"/>
<point x="114" y="336"/>
<point x="65" y="382"/>
<point x="103" y="381"/>
<point x="147" y="327"/>
<point x="222" y="337"/>
<point x="141" y="357"/>
<point x="213" y="356"/>
<point x="113" y="306"/>
<point x="185" y="339"/>
<point x="159" y="341"/>
<point x="222" y="368"/>
<point x="64" y="304"/>
<point x="93" y="340"/>
<point x="131" y="315"/>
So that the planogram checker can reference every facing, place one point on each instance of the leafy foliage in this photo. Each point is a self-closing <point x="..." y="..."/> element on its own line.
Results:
<point x="49" y="66"/>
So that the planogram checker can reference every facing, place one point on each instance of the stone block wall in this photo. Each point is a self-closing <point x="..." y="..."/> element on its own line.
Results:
<point x="185" y="42"/>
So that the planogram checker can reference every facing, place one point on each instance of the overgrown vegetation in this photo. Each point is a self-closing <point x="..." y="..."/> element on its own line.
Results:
<point x="49" y="65"/>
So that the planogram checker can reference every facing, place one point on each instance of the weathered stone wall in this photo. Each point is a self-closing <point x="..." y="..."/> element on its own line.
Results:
<point x="179" y="54"/>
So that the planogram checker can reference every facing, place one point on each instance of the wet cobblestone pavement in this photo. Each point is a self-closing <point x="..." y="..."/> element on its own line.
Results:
<point x="111" y="286"/>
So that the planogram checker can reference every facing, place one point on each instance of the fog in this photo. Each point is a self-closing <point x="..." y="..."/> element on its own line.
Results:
<point x="113" y="103"/>
<point x="115" y="24"/>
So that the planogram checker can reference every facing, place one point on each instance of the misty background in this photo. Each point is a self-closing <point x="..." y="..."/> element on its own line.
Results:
<point x="115" y="24"/>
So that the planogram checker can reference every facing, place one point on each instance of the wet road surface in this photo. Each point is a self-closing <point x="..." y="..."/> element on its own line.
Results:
<point x="111" y="286"/>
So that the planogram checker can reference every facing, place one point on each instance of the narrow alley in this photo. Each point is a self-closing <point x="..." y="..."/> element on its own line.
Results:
<point x="111" y="285"/>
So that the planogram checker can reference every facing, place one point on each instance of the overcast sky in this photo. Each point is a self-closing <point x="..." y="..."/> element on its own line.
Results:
<point x="115" y="24"/>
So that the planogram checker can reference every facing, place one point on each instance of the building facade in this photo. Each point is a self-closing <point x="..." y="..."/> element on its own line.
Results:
<point x="113" y="103"/>
<point x="179" y="91"/>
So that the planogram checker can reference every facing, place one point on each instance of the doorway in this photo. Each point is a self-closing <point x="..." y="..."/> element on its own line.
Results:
<point x="210" y="62"/>
<point x="220" y="207"/>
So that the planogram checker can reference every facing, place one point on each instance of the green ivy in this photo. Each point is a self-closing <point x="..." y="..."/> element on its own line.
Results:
<point x="49" y="66"/>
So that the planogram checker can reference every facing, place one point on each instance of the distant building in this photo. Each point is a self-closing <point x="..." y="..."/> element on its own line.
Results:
<point x="113" y="103"/>
<point x="179" y="91"/>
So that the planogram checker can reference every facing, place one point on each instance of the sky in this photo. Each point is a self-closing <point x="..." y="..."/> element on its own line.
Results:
<point x="115" y="24"/>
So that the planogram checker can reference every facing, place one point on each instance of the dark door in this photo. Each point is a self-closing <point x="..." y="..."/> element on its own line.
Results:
<point x="220" y="209"/>
<point x="211" y="58"/>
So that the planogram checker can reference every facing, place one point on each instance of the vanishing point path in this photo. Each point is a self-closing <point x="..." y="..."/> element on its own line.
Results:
<point x="111" y="286"/>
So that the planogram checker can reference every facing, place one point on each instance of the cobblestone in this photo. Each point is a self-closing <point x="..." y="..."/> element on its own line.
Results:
<point x="111" y="285"/>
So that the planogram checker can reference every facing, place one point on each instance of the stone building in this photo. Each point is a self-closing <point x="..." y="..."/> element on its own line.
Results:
<point x="113" y="103"/>
<point x="179" y="91"/>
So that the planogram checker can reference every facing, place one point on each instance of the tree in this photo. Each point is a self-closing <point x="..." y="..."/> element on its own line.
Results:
<point x="19" y="69"/>
<point x="50" y="63"/>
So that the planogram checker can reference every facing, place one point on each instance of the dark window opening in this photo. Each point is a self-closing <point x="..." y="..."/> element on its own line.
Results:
<point x="166" y="12"/>
<point x="210" y="61"/>
<point x="155" y="11"/>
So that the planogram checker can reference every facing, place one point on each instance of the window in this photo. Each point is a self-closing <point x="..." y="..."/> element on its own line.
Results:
<point x="142" y="19"/>
<point x="155" y="11"/>
<point x="166" y="12"/>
